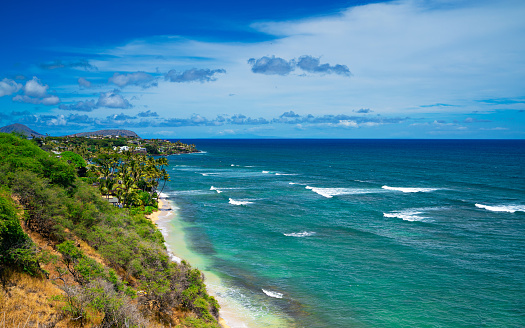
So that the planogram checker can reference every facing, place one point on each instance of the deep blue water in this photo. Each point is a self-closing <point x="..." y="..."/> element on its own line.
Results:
<point x="361" y="233"/>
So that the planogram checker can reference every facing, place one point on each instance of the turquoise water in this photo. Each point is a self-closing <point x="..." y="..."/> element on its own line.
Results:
<point x="359" y="233"/>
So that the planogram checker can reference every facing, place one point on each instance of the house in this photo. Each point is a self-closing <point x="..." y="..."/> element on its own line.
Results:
<point x="113" y="201"/>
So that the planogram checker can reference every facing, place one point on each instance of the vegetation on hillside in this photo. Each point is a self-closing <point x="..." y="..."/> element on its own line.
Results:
<point x="91" y="145"/>
<point x="108" y="264"/>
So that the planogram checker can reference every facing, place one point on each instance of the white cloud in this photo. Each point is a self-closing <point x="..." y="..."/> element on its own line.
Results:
<point x="83" y="82"/>
<point x="112" y="100"/>
<point x="138" y="78"/>
<point x="36" y="93"/>
<point x="402" y="54"/>
<point x="8" y="87"/>
<point x="33" y="88"/>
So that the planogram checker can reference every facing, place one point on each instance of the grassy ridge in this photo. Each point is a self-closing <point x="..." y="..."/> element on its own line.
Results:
<point x="135" y="283"/>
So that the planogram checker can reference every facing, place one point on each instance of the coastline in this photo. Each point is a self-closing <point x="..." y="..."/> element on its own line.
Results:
<point x="165" y="213"/>
<point x="163" y="206"/>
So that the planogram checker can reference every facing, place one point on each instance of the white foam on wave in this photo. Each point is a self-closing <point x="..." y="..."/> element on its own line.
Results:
<point x="207" y="174"/>
<point x="239" y="202"/>
<point x="331" y="192"/>
<point x="409" y="189"/>
<point x="285" y="174"/>
<point x="217" y="190"/>
<point x="265" y="172"/>
<point x="272" y="294"/>
<point x="407" y="215"/>
<point x="163" y="196"/>
<point x="503" y="208"/>
<point x="300" y="234"/>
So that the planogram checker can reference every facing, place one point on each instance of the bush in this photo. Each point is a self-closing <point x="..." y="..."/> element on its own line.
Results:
<point x="16" y="248"/>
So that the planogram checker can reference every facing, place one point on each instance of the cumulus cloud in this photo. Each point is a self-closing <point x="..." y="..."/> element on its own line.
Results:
<point x="36" y="93"/>
<point x="83" y="82"/>
<point x="83" y="119"/>
<point x="112" y="100"/>
<point x="148" y="113"/>
<point x="289" y="114"/>
<point x="194" y="120"/>
<point x="48" y="100"/>
<point x="8" y="87"/>
<point x="139" y="78"/>
<point x="242" y="119"/>
<point x="335" y="120"/>
<point x="313" y="65"/>
<point x="271" y="65"/>
<point x="364" y="111"/>
<point x="120" y="117"/>
<point x="81" y="106"/>
<point x="279" y="66"/>
<point x="34" y="88"/>
<point x="68" y="64"/>
<point x="193" y="75"/>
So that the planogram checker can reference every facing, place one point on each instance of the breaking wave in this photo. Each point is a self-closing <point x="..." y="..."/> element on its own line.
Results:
<point x="239" y="202"/>
<point x="272" y="294"/>
<point x="407" y="215"/>
<point x="300" y="234"/>
<point x="503" y="208"/>
<point x="409" y="189"/>
<point x="331" y="192"/>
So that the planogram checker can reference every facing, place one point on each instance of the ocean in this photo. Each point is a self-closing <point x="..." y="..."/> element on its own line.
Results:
<point x="354" y="233"/>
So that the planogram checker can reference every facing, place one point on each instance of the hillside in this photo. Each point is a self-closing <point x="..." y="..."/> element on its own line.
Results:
<point x="68" y="258"/>
<point x="112" y="132"/>
<point x="20" y="128"/>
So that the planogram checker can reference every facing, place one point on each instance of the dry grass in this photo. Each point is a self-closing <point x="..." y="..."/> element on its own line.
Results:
<point x="27" y="303"/>
<point x="35" y="301"/>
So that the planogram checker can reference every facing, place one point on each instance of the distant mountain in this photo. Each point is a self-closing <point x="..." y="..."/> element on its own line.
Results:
<point x="114" y="132"/>
<point x="20" y="128"/>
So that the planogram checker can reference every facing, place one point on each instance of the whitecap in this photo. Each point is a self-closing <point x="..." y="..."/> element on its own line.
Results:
<point x="406" y="215"/>
<point x="285" y="174"/>
<point x="409" y="189"/>
<point x="239" y="202"/>
<point x="217" y="190"/>
<point x="300" y="234"/>
<point x="331" y="192"/>
<point x="207" y="174"/>
<point x="265" y="172"/>
<point x="272" y="294"/>
<point x="503" y="208"/>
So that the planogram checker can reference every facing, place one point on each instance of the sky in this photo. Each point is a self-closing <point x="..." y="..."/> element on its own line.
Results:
<point x="267" y="69"/>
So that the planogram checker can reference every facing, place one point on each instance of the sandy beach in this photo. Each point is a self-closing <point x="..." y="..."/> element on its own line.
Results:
<point x="165" y="210"/>
<point x="164" y="207"/>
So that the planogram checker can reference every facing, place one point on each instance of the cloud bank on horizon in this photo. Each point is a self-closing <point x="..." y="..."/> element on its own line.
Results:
<point x="400" y="69"/>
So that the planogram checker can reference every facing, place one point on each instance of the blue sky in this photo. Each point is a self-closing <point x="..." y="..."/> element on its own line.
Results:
<point x="209" y="69"/>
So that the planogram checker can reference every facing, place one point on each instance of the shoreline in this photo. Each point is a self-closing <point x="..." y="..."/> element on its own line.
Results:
<point x="164" y="205"/>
